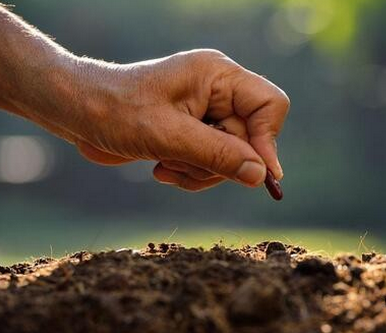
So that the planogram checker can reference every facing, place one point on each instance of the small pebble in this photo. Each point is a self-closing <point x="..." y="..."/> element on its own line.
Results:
<point x="366" y="257"/>
<point x="274" y="247"/>
<point x="164" y="247"/>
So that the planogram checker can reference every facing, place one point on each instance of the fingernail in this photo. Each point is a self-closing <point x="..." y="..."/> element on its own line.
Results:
<point x="277" y="170"/>
<point x="280" y="173"/>
<point x="251" y="173"/>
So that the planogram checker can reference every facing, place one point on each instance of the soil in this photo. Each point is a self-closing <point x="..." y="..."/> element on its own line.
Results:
<point x="268" y="287"/>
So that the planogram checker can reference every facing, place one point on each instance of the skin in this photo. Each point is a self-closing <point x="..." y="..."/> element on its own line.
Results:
<point x="150" y="110"/>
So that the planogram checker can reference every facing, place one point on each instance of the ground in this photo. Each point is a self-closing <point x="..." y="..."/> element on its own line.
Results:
<point x="268" y="287"/>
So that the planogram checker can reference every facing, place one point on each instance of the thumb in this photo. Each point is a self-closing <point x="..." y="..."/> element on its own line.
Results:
<point x="224" y="154"/>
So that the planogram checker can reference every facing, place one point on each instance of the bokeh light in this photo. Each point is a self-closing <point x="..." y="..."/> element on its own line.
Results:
<point x="309" y="17"/>
<point x="24" y="159"/>
<point x="281" y="37"/>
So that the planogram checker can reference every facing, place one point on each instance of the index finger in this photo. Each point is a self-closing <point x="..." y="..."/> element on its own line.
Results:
<point x="264" y="106"/>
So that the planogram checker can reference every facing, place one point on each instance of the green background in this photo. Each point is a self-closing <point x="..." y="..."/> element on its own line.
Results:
<point x="329" y="56"/>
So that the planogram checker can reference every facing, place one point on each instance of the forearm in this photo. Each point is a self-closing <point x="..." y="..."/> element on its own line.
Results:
<point x="42" y="81"/>
<point x="30" y="66"/>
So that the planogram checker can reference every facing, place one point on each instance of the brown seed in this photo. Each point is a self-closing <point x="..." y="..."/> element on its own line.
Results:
<point x="273" y="186"/>
<point x="214" y="124"/>
<point x="218" y="127"/>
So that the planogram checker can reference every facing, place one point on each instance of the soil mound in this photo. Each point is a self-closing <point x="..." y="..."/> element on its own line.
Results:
<point x="269" y="287"/>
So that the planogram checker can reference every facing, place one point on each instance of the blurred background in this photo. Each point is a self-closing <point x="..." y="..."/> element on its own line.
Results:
<point x="329" y="56"/>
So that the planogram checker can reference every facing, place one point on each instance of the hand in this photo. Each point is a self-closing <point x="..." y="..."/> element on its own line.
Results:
<point x="153" y="110"/>
<point x="149" y="110"/>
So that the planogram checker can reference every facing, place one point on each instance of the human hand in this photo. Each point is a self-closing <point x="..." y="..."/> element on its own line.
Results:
<point x="153" y="110"/>
<point x="150" y="110"/>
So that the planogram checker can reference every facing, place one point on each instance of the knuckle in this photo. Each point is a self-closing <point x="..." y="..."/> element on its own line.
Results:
<point x="283" y="101"/>
<point x="208" y="57"/>
<point x="279" y="100"/>
<point x="210" y="53"/>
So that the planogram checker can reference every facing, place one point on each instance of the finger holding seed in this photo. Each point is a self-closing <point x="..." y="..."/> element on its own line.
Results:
<point x="234" y="126"/>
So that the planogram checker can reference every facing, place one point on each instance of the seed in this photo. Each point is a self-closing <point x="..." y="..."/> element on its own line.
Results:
<point x="218" y="127"/>
<point x="273" y="186"/>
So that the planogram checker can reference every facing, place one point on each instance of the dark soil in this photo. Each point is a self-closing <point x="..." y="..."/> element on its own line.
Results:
<point x="166" y="288"/>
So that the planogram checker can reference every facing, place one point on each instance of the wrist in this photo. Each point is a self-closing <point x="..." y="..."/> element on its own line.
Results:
<point x="97" y="90"/>
<point x="73" y="93"/>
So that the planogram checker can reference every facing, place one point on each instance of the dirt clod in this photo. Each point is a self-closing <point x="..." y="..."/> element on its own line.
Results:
<point x="366" y="257"/>
<point x="164" y="247"/>
<point x="166" y="288"/>
<point x="255" y="303"/>
<point x="317" y="267"/>
<point x="5" y="270"/>
<point x="274" y="247"/>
